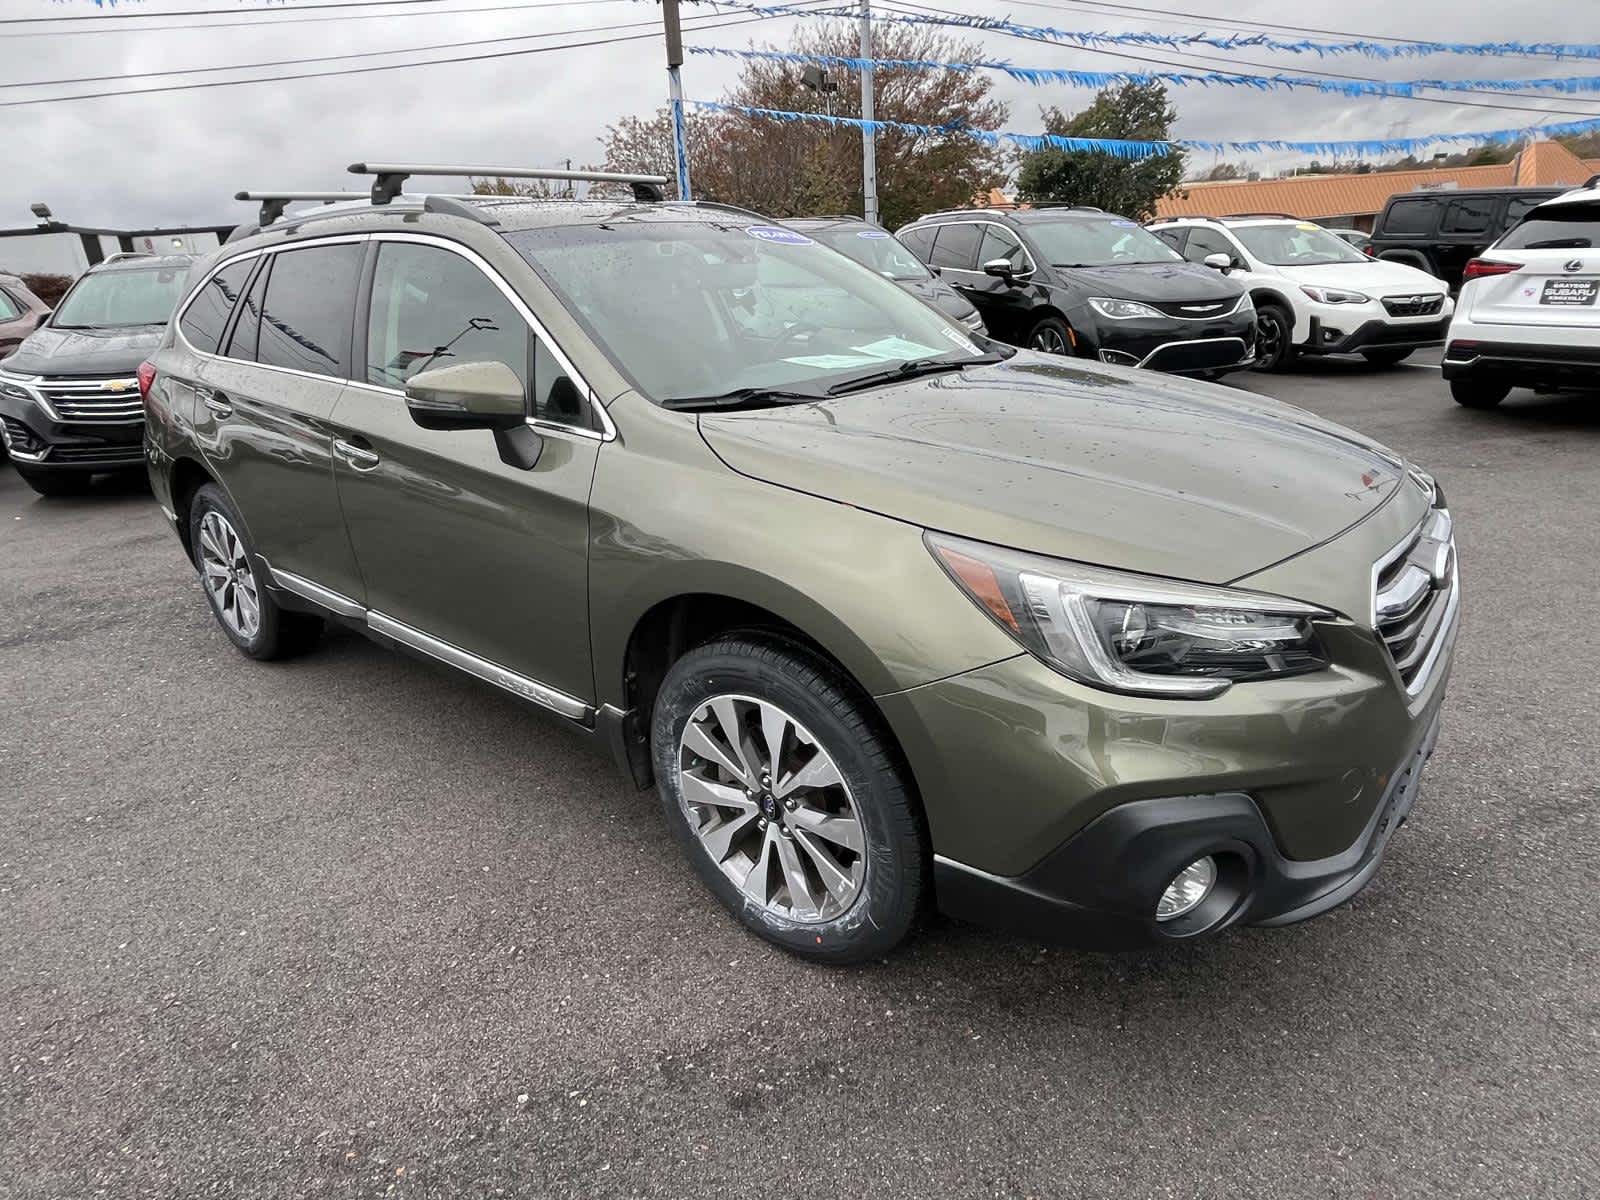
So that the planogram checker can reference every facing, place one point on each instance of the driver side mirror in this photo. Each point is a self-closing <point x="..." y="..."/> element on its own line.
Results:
<point x="1219" y="262"/>
<point x="477" y="395"/>
<point x="1002" y="268"/>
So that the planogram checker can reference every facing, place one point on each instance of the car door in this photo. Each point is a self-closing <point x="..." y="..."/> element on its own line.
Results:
<point x="1008" y="304"/>
<point x="955" y="254"/>
<point x="471" y="559"/>
<point x="1466" y="228"/>
<point x="263" y="403"/>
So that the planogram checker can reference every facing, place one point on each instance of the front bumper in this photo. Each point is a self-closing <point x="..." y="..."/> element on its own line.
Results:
<point x="1170" y="344"/>
<point x="1377" y="333"/>
<point x="31" y="436"/>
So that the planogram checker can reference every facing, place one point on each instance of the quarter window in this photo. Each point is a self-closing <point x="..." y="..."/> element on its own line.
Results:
<point x="8" y="310"/>
<point x="207" y="315"/>
<point x="305" y="318"/>
<point x="956" y="246"/>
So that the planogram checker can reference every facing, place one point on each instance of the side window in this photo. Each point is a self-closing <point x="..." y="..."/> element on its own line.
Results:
<point x="1520" y="206"/>
<point x="1410" y="218"/>
<point x="247" y="329"/>
<point x="8" y="309"/>
<point x="305" y="317"/>
<point x="918" y="241"/>
<point x="1172" y="237"/>
<point x="956" y="246"/>
<point x="999" y="242"/>
<point x="207" y="315"/>
<point x="1470" y="214"/>
<point x="1203" y="241"/>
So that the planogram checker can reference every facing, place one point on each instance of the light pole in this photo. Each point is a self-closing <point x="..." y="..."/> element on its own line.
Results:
<point x="680" y="137"/>
<point x="869" y="157"/>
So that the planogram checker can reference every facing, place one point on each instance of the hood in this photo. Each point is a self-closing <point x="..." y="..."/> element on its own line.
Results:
<point x="1114" y="467"/>
<point x="1376" y="277"/>
<point x="1164" y="283"/>
<point x="51" y="351"/>
<point x="939" y="294"/>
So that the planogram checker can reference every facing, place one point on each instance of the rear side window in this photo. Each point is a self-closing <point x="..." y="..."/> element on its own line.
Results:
<point x="1470" y="214"/>
<point x="8" y="309"/>
<point x="1410" y="218"/>
<point x="918" y="241"/>
<point x="956" y="246"/>
<point x="1557" y="227"/>
<point x="247" y="329"/>
<point x="203" y="321"/>
<point x="1172" y="237"/>
<point x="1520" y="206"/>
<point x="305" y="317"/>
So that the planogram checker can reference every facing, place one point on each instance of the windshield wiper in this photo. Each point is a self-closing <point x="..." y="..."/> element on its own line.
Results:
<point x="1571" y="243"/>
<point x="909" y="369"/>
<point x="745" y="397"/>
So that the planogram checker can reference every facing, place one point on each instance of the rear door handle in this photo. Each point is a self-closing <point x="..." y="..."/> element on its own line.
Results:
<point x="358" y="457"/>
<point x="218" y="406"/>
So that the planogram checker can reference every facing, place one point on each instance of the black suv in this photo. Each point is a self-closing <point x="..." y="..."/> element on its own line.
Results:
<point x="1439" y="231"/>
<point x="1083" y="282"/>
<point x="70" y="404"/>
<point x="875" y="247"/>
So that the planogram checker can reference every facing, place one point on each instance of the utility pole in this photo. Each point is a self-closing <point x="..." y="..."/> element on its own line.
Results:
<point x="680" y="137"/>
<point x="869" y="155"/>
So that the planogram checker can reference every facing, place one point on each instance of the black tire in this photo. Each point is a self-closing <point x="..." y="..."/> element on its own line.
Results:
<point x="278" y="633"/>
<point x="55" y="483"/>
<point x="814" y="693"/>
<point x="1274" y="337"/>
<point x="1477" y="393"/>
<point x="1050" y="335"/>
<point x="1385" y="358"/>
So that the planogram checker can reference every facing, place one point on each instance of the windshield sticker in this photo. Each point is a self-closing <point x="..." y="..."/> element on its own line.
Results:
<point x="962" y="340"/>
<point x="872" y="233"/>
<point x="834" y="362"/>
<point x="896" y="347"/>
<point x="772" y="233"/>
<point x="1124" y="223"/>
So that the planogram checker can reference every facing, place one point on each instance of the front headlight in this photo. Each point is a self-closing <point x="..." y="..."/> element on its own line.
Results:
<point x="1135" y="634"/>
<point x="1122" y="310"/>
<point x="1324" y="295"/>
<point x="13" y="390"/>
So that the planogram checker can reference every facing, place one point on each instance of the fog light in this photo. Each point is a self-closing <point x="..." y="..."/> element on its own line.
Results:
<point x="1188" y="887"/>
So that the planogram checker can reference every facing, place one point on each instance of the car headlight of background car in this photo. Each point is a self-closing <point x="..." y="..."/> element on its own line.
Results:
<point x="1134" y="634"/>
<point x="1324" y="295"/>
<point x="1123" y="310"/>
<point x="13" y="390"/>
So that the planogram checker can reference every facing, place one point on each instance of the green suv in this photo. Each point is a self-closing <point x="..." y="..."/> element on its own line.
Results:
<point x="891" y="615"/>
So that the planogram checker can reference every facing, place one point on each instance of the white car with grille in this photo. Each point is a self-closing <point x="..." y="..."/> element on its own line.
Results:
<point x="1529" y="314"/>
<point x="1315" y="293"/>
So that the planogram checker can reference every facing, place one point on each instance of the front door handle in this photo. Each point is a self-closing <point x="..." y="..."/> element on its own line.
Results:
<point x="358" y="457"/>
<point x="218" y="406"/>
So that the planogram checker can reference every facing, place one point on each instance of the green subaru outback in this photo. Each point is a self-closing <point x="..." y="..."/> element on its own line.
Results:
<point x="891" y="615"/>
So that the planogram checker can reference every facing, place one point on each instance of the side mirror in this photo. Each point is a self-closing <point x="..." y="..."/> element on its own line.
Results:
<point x="474" y="395"/>
<point x="1219" y="262"/>
<point x="1002" y="268"/>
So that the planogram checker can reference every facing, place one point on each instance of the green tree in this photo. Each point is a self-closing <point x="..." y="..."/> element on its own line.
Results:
<point x="1132" y="112"/>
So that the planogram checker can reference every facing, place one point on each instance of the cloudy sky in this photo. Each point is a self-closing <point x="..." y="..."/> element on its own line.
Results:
<point x="177" y="157"/>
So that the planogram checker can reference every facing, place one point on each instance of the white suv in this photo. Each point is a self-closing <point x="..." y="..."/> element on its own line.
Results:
<point x="1530" y="307"/>
<point x="1314" y="293"/>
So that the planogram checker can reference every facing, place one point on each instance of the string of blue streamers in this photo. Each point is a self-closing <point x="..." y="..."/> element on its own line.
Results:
<point x="1044" y="76"/>
<point x="1178" y="41"/>
<point x="1120" y="148"/>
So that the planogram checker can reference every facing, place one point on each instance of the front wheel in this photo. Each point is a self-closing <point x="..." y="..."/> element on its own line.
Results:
<point x="1385" y="358"/>
<point x="1274" y="331"/>
<point x="1050" y="335"/>
<point x="1475" y="393"/>
<point x="788" y="798"/>
<point x="55" y="483"/>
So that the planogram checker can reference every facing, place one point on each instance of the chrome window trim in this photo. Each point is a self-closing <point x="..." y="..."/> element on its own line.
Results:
<point x="452" y="655"/>
<point x="1033" y="265"/>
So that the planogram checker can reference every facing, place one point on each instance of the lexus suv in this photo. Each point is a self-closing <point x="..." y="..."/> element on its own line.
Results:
<point x="1529" y="314"/>
<point x="69" y="395"/>
<point x="1088" y="284"/>
<point x="1315" y="293"/>
<point x="890" y="614"/>
<point x="874" y="247"/>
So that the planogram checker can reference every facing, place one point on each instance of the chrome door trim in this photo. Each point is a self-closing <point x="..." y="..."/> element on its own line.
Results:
<point x="335" y="602"/>
<point x="489" y="672"/>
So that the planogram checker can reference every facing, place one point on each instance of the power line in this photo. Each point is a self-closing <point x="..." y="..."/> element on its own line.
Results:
<point x="209" y="12"/>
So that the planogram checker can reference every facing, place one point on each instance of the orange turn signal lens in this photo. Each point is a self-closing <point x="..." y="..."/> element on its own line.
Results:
<point x="979" y="580"/>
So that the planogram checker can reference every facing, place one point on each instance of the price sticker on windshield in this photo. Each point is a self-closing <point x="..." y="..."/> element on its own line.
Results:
<point x="872" y="233"/>
<point x="774" y="233"/>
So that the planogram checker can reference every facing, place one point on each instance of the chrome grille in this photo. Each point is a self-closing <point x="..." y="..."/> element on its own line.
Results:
<point x="128" y="453"/>
<point x="1413" y="306"/>
<point x="106" y="401"/>
<point x="1415" y="598"/>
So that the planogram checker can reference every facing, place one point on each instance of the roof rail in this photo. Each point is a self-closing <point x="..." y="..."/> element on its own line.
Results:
<point x="391" y="176"/>
<point x="721" y="207"/>
<point x="273" y="203"/>
<point x="122" y="254"/>
<point x="1245" y="216"/>
<point x="1066" y="204"/>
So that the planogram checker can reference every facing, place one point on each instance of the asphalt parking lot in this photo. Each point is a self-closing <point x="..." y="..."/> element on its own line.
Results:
<point x="354" y="925"/>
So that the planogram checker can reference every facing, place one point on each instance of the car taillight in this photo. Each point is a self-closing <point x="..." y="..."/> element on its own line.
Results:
<point x="147" y="376"/>
<point x="1368" y="251"/>
<point x="1477" y="268"/>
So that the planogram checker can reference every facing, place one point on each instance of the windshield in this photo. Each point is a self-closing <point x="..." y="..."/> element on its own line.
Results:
<point x="1099" y="242"/>
<point x="1299" y="245"/>
<point x="1557" y="227"/>
<point x="875" y="248"/>
<point x="693" y="309"/>
<point x="116" y="299"/>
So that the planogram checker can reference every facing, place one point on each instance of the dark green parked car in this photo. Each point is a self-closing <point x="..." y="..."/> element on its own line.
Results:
<point x="892" y="615"/>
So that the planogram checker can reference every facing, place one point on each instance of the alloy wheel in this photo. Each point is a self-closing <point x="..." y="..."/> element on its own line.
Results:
<point x="1048" y="339"/>
<point x="225" y="570"/>
<point x="770" y="806"/>
<point x="1269" y="338"/>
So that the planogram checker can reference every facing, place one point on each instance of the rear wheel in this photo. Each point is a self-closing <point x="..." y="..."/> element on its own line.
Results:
<point x="1051" y="336"/>
<point x="788" y="799"/>
<point x="1274" y="328"/>
<point x="229" y="576"/>
<point x="1476" y="393"/>
<point x="1385" y="358"/>
<point x="55" y="483"/>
